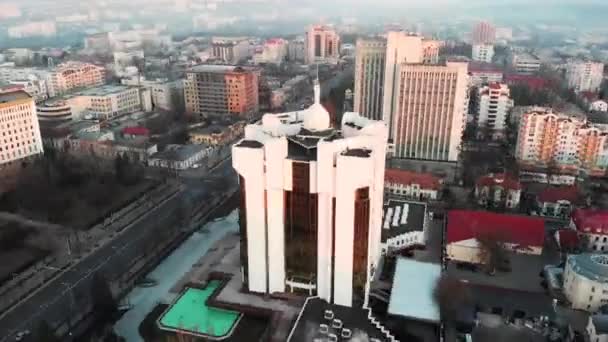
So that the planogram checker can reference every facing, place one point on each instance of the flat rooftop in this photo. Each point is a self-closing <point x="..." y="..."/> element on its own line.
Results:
<point x="320" y="320"/>
<point x="190" y="314"/>
<point x="101" y="90"/>
<point x="217" y="68"/>
<point x="416" y="279"/>
<point x="178" y="152"/>
<point x="401" y="217"/>
<point x="13" y="96"/>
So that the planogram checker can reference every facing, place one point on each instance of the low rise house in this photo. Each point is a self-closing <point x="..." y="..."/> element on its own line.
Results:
<point x="597" y="328"/>
<point x="412" y="185"/>
<point x="217" y="134"/>
<point x="557" y="201"/>
<point x="466" y="228"/>
<point x="498" y="190"/>
<point x="404" y="225"/>
<point x="592" y="228"/>
<point x="586" y="281"/>
<point x="179" y="157"/>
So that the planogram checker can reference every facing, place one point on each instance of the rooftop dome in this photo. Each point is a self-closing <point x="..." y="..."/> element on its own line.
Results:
<point x="316" y="117"/>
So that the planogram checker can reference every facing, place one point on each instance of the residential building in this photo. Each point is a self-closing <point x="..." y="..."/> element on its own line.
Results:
<point x="19" y="126"/>
<point x="484" y="73"/>
<point x="436" y="134"/>
<point x="369" y="77"/>
<point x="404" y="225"/>
<point x="483" y="53"/>
<point x="274" y="51"/>
<point x="597" y="328"/>
<point x="557" y="201"/>
<point x="399" y="183"/>
<point x="309" y="224"/>
<point x="322" y="45"/>
<point x="524" y="63"/>
<point x="98" y="43"/>
<point x="217" y="134"/>
<point x="494" y="104"/>
<point x="220" y="90"/>
<point x="566" y="143"/>
<point x="598" y="106"/>
<point x="519" y="234"/>
<point x="498" y="191"/>
<point x="105" y="102"/>
<point x="179" y="157"/>
<point x="586" y="281"/>
<point x="164" y="93"/>
<point x="33" y="29"/>
<point x="296" y="50"/>
<point x="231" y="52"/>
<point x="592" y="228"/>
<point x="483" y="33"/>
<point x="70" y="75"/>
<point x="584" y="76"/>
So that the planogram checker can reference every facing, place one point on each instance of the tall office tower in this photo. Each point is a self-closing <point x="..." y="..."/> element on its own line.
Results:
<point x="369" y="77"/>
<point x="216" y="90"/>
<point x="309" y="224"/>
<point x="484" y="33"/>
<point x="19" y="127"/>
<point x="584" y="76"/>
<point x="400" y="48"/>
<point x="494" y="106"/>
<point x="322" y="44"/>
<point x="429" y="110"/>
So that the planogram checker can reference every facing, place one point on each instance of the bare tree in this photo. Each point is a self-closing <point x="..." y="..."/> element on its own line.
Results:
<point x="492" y="252"/>
<point x="451" y="295"/>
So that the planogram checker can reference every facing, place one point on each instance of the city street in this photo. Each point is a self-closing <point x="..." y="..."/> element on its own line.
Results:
<point x="52" y="302"/>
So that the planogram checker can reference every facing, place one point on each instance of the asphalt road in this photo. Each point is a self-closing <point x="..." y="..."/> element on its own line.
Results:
<point x="72" y="288"/>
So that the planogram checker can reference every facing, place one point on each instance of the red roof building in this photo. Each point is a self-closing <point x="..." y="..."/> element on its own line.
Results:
<point x="533" y="82"/>
<point x="593" y="221"/>
<point x="558" y="193"/>
<point x="137" y="130"/>
<point x="500" y="179"/>
<point x="522" y="234"/>
<point x="567" y="239"/>
<point x="412" y="184"/>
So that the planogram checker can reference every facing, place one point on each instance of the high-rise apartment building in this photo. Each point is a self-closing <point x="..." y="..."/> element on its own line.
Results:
<point x="370" y="62"/>
<point x="19" y="126"/>
<point x="585" y="76"/>
<point x="483" y="33"/>
<point x="322" y="44"/>
<point x="309" y="224"/>
<point x="548" y="139"/>
<point x="429" y="110"/>
<point x="494" y="105"/>
<point x="217" y="90"/>
<point x="70" y="75"/>
<point x="483" y="53"/>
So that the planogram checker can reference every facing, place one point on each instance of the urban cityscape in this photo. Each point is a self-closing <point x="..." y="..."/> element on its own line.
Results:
<point x="303" y="171"/>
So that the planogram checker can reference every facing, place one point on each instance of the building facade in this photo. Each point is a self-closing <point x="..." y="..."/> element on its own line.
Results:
<point x="274" y="51"/>
<point x="483" y="73"/>
<point x="308" y="223"/>
<point x="54" y="111"/>
<point x="524" y="63"/>
<point x="498" y="191"/>
<point x="429" y="110"/>
<point x="494" y="103"/>
<point x="400" y="183"/>
<point x="322" y="44"/>
<point x="483" y="53"/>
<point x="217" y="135"/>
<point x="483" y="33"/>
<point x="369" y="77"/>
<point x="586" y="281"/>
<point x="20" y="131"/>
<point x="584" y="76"/>
<point x="592" y="228"/>
<point x="563" y="142"/>
<point x="219" y="90"/>
<point x="70" y="75"/>
<point x="231" y="52"/>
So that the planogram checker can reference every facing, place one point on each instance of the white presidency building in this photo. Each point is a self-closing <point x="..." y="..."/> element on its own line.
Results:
<point x="311" y="203"/>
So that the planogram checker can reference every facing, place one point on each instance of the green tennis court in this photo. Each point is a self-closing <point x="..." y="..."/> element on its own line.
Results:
<point x="190" y="313"/>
